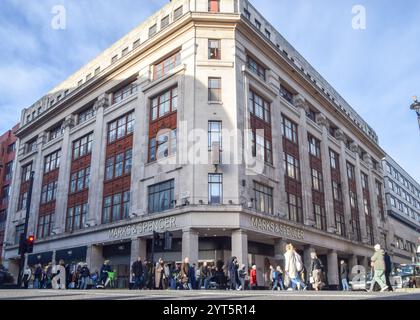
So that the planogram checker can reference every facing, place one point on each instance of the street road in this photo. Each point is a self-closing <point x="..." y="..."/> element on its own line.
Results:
<point x="201" y="295"/>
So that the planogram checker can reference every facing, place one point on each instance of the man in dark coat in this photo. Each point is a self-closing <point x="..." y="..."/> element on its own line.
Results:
<point x="388" y="270"/>
<point x="233" y="267"/>
<point x="137" y="271"/>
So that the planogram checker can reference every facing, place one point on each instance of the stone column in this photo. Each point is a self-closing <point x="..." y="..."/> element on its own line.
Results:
<point x="326" y="171"/>
<point x="333" y="278"/>
<point x="362" y="217"/>
<point x="138" y="249"/>
<point x="240" y="246"/>
<point x="94" y="258"/>
<point x="307" y="257"/>
<point x="352" y="263"/>
<point x="305" y="171"/>
<point x="97" y="163"/>
<point x="190" y="245"/>
<point x="376" y="219"/>
<point x="279" y="248"/>
<point x="63" y="177"/>
<point x="344" y="181"/>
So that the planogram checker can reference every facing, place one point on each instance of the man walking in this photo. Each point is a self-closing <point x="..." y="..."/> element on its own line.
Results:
<point x="137" y="271"/>
<point x="378" y="264"/>
<point x="344" y="272"/>
<point x="388" y="270"/>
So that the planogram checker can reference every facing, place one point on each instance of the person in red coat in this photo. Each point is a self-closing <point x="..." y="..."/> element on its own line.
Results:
<point x="253" y="277"/>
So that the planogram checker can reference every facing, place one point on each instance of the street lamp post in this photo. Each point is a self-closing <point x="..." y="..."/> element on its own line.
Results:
<point x="416" y="107"/>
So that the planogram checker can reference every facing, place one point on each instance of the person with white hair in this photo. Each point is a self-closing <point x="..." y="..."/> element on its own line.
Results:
<point x="378" y="265"/>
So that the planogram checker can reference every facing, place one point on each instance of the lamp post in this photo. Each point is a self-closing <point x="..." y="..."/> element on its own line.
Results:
<point x="416" y="107"/>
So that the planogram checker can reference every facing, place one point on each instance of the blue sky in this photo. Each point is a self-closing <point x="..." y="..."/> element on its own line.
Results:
<point x="376" y="70"/>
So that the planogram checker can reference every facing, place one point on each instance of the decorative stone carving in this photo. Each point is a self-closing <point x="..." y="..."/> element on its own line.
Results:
<point x="102" y="102"/>
<point x="322" y="121"/>
<point x="368" y="160"/>
<point x="68" y="123"/>
<point x="43" y="138"/>
<point x="354" y="148"/>
<point x="340" y="136"/>
<point x="300" y="103"/>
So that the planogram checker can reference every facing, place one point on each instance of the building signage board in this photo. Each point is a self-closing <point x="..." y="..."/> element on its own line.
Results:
<point x="278" y="228"/>
<point x="147" y="227"/>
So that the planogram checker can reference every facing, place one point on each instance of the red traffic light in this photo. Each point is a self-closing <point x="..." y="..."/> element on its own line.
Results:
<point x="31" y="239"/>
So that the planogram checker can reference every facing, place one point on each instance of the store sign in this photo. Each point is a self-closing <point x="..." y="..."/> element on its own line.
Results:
<point x="274" y="227"/>
<point x="159" y="225"/>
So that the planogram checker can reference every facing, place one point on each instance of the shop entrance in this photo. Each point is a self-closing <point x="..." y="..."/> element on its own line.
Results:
<point x="119" y="259"/>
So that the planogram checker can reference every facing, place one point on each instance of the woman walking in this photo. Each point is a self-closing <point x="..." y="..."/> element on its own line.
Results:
<point x="316" y="271"/>
<point x="293" y="265"/>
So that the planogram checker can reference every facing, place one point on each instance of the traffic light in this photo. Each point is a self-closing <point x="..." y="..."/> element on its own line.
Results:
<point x="30" y="244"/>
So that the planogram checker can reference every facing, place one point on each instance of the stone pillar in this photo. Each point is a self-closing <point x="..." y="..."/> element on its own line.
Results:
<point x="94" y="257"/>
<point x="138" y="249"/>
<point x="63" y="178"/>
<point x="279" y="248"/>
<point x="97" y="164"/>
<point x="344" y="181"/>
<point x="376" y="219"/>
<point x="352" y="263"/>
<point x="190" y="245"/>
<point x="307" y="257"/>
<point x="305" y="171"/>
<point x="362" y="217"/>
<point x="326" y="172"/>
<point x="240" y="246"/>
<point x="333" y="278"/>
<point x="53" y="258"/>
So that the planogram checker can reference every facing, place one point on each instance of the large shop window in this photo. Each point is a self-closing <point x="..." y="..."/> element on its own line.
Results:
<point x="164" y="103"/>
<point x="79" y="180"/>
<point x="52" y="161"/>
<point x="161" y="196"/>
<point x="82" y="146"/>
<point x="215" y="188"/>
<point x="121" y="127"/>
<point x="76" y="217"/>
<point x="163" y="68"/>
<point x="164" y="145"/>
<point x="290" y="130"/>
<point x="259" y="107"/>
<point x="45" y="225"/>
<point x="116" y="207"/>
<point x="118" y="165"/>
<point x="263" y="198"/>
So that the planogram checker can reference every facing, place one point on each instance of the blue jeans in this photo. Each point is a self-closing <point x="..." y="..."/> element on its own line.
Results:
<point x="36" y="283"/>
<point x="138" y="282"/>
<point x="296" y="281"/>
<point x="345" y="285"/>
<point x="83" y="283"/>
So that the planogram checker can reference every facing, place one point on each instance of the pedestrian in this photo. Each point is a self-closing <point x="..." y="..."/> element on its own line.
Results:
<point x="344" y="273"/>
<point x="235" y="284"/>
<point x="388" y="270"/>
<point x="185" y="271"/>
<point x="316" y="271"/>
<point x="137" y="271"/>
<point x="274" y="279"/>
<point x="37" y="276"/>
<point x="378" y="264"/>
<point x="293" y="264"/>
<point x="205" y="276"/>
<point x="253" y="277"/>
<point x="103" y="276"/>
<point x="242" y="276"/>
<point x="48" y="276"/>
<point x="27" y="274"/>
<point x="280" y="278"/>
<point x="191" y="277"/>
<point x="59" y="280"/>
<point x="159" y="275"/>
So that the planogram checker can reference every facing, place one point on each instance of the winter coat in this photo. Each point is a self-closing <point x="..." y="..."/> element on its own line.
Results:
<point x="344" y="272"/>
<point x="316" y="264"/>
<point x="137" y="268"/>
<point x="290" y="264"/>
<point x="378" y="260"/>
<point x="84" y="272"/>
<point x="185" y="270"/>
<point x="159" y="275"/>
<point x="253" y="277"/>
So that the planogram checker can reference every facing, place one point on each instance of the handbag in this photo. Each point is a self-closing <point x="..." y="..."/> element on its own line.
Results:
<point x="311" y="280"/>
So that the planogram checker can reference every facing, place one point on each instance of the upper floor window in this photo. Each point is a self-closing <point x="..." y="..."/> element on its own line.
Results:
<point x="314" y="146"/>
<point x="163" y="145"/>
<point x="215" y="51"/>
<point x="317" y="183"/>
<point x="267" y="34"/>
<point x="164" y="22"/>
<point x="31" y="145"/>
<point x="337" y="193"/>
<point x="350" y="171"/>
<point x="5" y="195"/>
<point x="85" y="115"/>
<point x="124" y="52"/>
<point x="333" y="159"/>
<point x="215" y="90"/>
<point x="291" y="166"/>
<point x="52" y="161"/>
<point x="9" y="171"/>
<point x="45" y="225"/>
<point x="113" y="60"/>
<point x="259" y="107"/>
<point x="11" y="147"/>
<point x="311" y="115"/>
<point x="261" y="148"/>
<point x="247" y="14"/>
<point x="76" y="217"/>
<point x="353" y="200"/>
<point x="20" y="229"/>
<point x="79" y="180"/>
<point x="365" y="181"/>
<point x="97" y="71"/>
<point x="215" y="188"/>
<point x="290" y="130"/>
<point x="164" y="67"/>
<point x="82" y="146"/>
<point x="55" y="132"/>
<point x="215" y="134"/>
<point x="258" y="24"/>
<point x="49" y="192"/>
<point x="263" y="198"/>
<point x="118" y="165"/>
<point x="152" y="30"/>
<point x="116" y="207"/>
<point x="255" y="67"/>
<point x="161" y="196"/>
<point x="26" y="172"/>
<point x="178" y="13"/>
<point x="214" y="5"/>
<point x="164" y="103"/>
<point x="378" y="188"/>
<point x="124" y="92"/>
<point x="286" y="94"/>
<point x="121" y="127"/>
